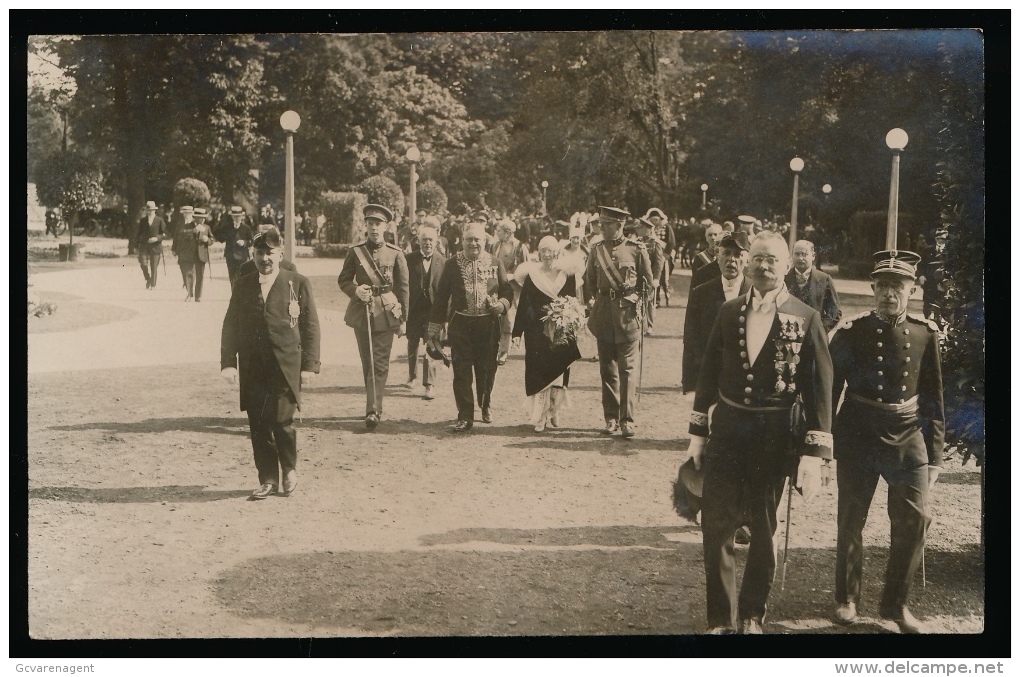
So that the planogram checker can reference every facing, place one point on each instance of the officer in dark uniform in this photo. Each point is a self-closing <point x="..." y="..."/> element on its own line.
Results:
<point x="765" y="349"/>
<point x="375" y="277"/>
<point x="618" y="277"/>
<point x="644" y="233"/>
<point x="892" y="423"/>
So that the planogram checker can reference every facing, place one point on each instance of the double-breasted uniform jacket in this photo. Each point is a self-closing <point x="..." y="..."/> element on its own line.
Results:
<point x="702" y="308"/>
<point x="464" y="287"/>
<point x="794" y="360"/>
<point x="147" y="230"/>
<point x="890" y="371"/>
<point x="284" y="327"/>
<point x="819" y="293"/>
<point x="423" y="289"/>
<point x="616" y="315"/>
<point x="393" y="266"/>
<point x="705" y="273"/>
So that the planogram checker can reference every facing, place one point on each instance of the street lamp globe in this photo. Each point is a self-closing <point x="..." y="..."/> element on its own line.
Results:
<point x="704" y="187"/>
<point x="796" y="164"/>
<point x="826" y="189"/>
<point x="413" y="154"/>
<point x="896" y="139"/>
<point x="290" y="121"/>
<point x="545" y="184"/>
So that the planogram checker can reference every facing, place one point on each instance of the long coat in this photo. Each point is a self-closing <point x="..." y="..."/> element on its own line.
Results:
<point x="146" y="231"/>
<point x="423" y="289"/>
<point x="251" y="324"/>
<point x="819" y="293"/>
<point x="702" y="308"/>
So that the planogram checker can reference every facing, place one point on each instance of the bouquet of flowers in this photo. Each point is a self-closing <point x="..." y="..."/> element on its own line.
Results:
<point x="563" y="319"/>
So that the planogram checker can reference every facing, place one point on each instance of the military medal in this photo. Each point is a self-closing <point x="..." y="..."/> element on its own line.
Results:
<point x="293" y="308"/>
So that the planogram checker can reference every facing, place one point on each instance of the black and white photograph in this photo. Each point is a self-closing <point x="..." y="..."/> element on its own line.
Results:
<point x="637" y="333"/>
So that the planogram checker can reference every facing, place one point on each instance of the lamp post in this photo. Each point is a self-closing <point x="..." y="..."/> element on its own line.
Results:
<point x="290" y="121"/>
<point x="896" y="139"/>
<point x="545" y="185"/>
<point x="796" y="164"/>
<point x="704" y="196"/>
<point x="413" y="155"/>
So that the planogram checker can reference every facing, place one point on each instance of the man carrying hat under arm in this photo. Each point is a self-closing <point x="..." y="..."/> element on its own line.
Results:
<point x="891" y="424"/>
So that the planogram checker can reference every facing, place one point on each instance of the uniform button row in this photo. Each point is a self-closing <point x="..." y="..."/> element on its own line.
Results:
<point x="748" y="390"/>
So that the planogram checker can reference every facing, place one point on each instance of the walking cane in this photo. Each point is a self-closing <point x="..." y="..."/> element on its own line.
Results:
<point x="786" y="548"/>
<point x="641" y="347"/>
<point x="371" y="354"/>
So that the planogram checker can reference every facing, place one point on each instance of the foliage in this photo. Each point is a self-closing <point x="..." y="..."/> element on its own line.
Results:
<point x="191" y="192"/>
<point x="71" y="181"/>
<point x="431" y="197"/>
<point x="330" y="251"/>
<point x="38" y="308"/>
<point x="382" y="190"/>
<point x="343" y="212"/>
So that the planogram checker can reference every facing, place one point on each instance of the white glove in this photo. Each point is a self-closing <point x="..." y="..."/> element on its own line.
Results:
<point x="696" y="450"/>
<point x="515" y="344"/>
<point x="364" y="293"/>
<point x="307" y="377"/>
<point x="229" y="375"/>
<point x="809" y="476"/>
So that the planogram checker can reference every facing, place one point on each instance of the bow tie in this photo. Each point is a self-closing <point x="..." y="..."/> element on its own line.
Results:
<point x="764" y="305"/>
<point x="803" y="279"/>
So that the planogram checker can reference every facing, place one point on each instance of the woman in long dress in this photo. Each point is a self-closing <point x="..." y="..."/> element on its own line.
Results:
<point x="546" y="365"/>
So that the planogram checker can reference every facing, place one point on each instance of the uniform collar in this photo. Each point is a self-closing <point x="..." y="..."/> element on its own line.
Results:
<point x="893" y="321"/>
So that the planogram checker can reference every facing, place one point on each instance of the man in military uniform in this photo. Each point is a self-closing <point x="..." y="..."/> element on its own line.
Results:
<point x="270" y="340"/>
<point x="664" y="232"/>
<point x="891" y="424"/>
<point x="375" y="278"/>
<point x="151" y="231"/>
<point x="701" y="271"/>
<point x="618" y="276"/>
<point x="473" y="294"/>
<point x="812" y="286"/>
<point x="237" y="239"/>
<point x="765" y="349"/>
<point x="644" y="233"/>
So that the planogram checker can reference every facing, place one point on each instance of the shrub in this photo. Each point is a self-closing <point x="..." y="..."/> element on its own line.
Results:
<point x="383" y="191"/>
<point x="325" y="250"/>
<point x="344" y="219"/>
<point x="191" y="192"/>
<point x="71" y="181"/>
<point x="431" y="197"/>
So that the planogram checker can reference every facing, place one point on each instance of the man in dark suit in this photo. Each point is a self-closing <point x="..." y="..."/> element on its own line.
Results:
<point x="250" y="267"/>
<point x="765" y="349"/>
<point x="151" y="231"/>
<point x="237" y="239"/>
<point x="424" y="269"/>
<point x="701" y="269"/>
<point x="705" y="301"/>
<point x="374" y="276"/>
<point x="812" y="286"/>
<point x="270" y="340"/>
<point x="891" y="424"/>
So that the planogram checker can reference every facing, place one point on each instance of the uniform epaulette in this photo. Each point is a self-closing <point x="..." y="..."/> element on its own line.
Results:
<point x="848" y="322"/>
<point x="638" y="244"/>
<point x="393" y="246"/>
<point x="921" y="319"/>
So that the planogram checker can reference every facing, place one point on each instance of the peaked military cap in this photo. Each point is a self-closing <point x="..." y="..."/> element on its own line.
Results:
<point x="744" y="218"/>
<point x="896" y="262"/>
<point x="644" y="223"/>
<point x="613" y="214"/>
<point x="268" y="239"/>
<point x="378" y="212"/>
<point x="736" y="239"/>
<point x="481" y="216"/>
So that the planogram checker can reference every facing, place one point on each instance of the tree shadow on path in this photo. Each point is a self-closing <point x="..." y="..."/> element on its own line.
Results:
<point x="170" y="494"/>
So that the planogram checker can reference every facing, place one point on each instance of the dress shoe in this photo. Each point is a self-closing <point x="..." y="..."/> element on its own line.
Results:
<point x="750" y="626"/>
<point x="486" y="415"/>
<point x="649" y="333"/>
<point x="198" y="300"/>
<point x="411" y="384"/>
<point x="429" y="394"/>
<point x="628" y="429"/>
<point x="721" y="630"/>
<point x="265" y="491"/>
<point x="540" y="427"/>
<point x="846" y="614"/>
<point x="501" y="359"/>
<point x="462" y="426"/>
<point x="289" y="482"/>
<point x="904" y="619"/>
<point x="371" y="421"/>
<point x="611" y="427"/>
<point x="742" y="536"/>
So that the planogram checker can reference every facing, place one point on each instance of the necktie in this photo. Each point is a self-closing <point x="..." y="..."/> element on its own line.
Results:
<point x="763" y="305"/>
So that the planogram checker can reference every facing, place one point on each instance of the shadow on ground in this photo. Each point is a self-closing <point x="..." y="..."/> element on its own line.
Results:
<point x="172" y="494"/>
<point x="197" y="424"/>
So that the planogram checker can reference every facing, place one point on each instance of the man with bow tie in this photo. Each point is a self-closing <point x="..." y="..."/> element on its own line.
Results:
<point x="270" y="341"/>
<point x="812" y="286"/>
<point x="424" y="269"/>
<point x="766" y="349"/>
<point x="375" y="277"/>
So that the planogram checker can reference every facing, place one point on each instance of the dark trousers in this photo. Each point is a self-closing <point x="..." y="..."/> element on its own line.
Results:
<point x="375" y="368"/>
<point x="617" y="362"/>
<point x="428" y="366"/>
<point x="273" y="438"/>
<point x="193" y="272"/>
<point x="857" y="476"/>
<point x="473" y="344"/>
<point x="149" y="261"/>
<point x="746" y="463"/>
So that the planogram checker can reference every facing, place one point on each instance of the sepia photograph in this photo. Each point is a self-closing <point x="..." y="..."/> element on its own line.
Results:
<point x="559" y="333"/>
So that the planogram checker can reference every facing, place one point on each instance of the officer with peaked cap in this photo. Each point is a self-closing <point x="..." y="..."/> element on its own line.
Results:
<point x="891" y="424"/>
<point x="375" y="277"/>
<point x="618" y="276"/>
<point x="644" y="231"/>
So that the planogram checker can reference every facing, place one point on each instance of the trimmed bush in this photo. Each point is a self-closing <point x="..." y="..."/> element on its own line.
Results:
<point x="325" y="250"/>
<point x="344" y="220"/>
<point x="382" y="190"/>
<point x="191" y="192"/>
<point x="431" y="197"/>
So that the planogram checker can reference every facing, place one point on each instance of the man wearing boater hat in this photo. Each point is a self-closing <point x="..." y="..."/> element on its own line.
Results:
<point x="375" y="277"/>
<point x="237" y="239"/>
<point x="270" y="341"/>
<point x="618" y="276"/>
<point x="151" y="231"/>
<point x="891" y="424"/>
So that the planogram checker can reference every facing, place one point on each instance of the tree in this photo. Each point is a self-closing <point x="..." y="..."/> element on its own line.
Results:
<point x="382" y="190"/>
<point x="71" y="181"/>
<point x="432" y="197"/>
